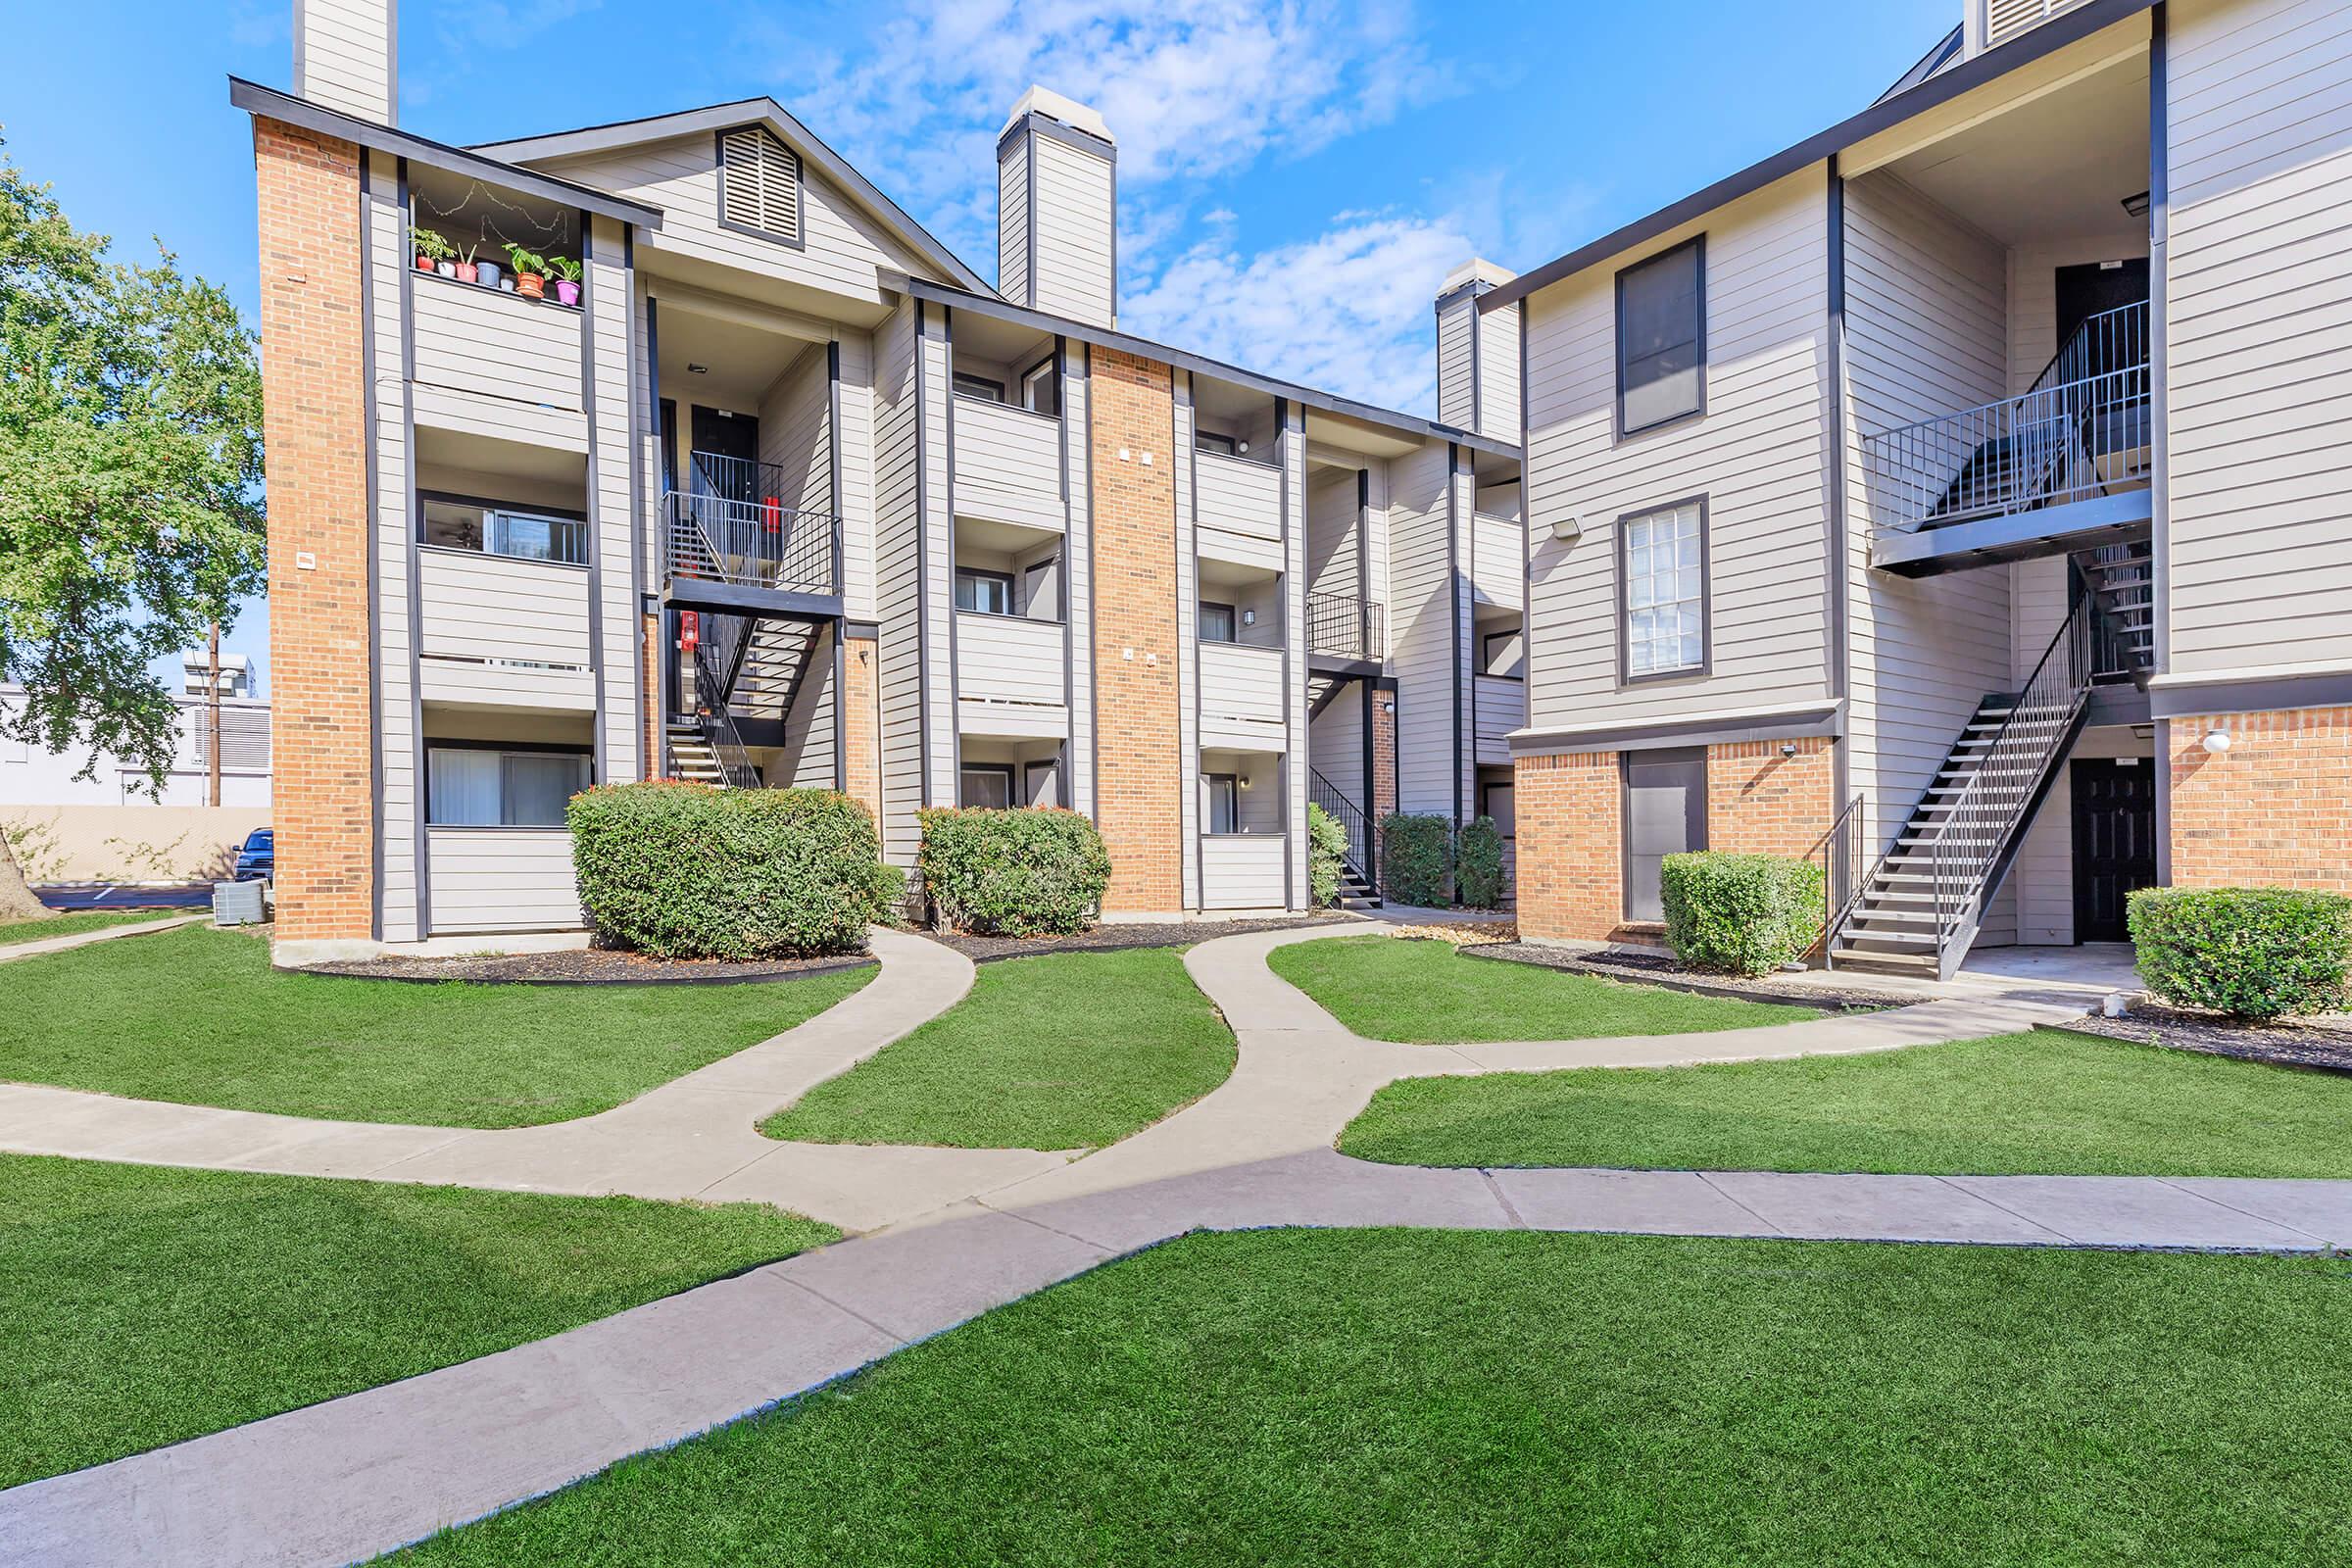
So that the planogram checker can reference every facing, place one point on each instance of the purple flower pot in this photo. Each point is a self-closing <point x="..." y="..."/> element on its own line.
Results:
<point x="566" y="292"/>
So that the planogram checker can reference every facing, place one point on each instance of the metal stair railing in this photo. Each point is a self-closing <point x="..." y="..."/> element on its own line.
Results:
<point x="1843" y="851"/>
<point x="1343" y="627"/>
<point x="731" y="525"/>
<point x="1350" y="818"/>
<point x="712" y="681"/>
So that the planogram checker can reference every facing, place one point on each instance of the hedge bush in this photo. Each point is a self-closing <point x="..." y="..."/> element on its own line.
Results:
<point x="688" y="871"/>
<point x="1416" y="860"/>
<point x="2250" y="952"/>
<point x="1477" y="864"/>
<point x="1740" y="913"/>
<point x="1326" y="847"/>
<point x="1030" y="871"/>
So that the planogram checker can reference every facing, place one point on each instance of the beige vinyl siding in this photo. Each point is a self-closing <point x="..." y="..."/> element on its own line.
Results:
<point x="1499" y="375"/>
<point x="1376" y="537"/>
<point x="1008" y="658"/>
<point x="1757" y="455"/>
<point x="1423" y="645"/>
<point x="1241" y="872"/>
<point x="609" y="502"/>
<point x="1332" y="543"/>
<point x="1242" y="699"/>
<point x="442" y="407"/>
<point x="1497" y="708"/>
<point x="1293" y="625"/>
<point x="810" y="738"/>
<point x="1008" y="464"/>
<point x="500" y="879"/>
<point x="795" y="431"/>
<point x="1079" y="584"/>
<point x="1240" y="495"/>
<point x="1335" y="742"/>
<point x="896" y="439"/>
<point x="857" y="448"/>
<point x="2034" y="293"/>
<point x="1927" y="333"/>
<point x="2259" y="333"/>
<point x="1497" y="559"/>
<point x="1457" y="393"/>
<point x="1240" y="549"/>
<point x="477" y="606"/>
<point x="1072" y="190"/>
<point x="492" y="344"/>
<point x="1012" y="229"/>
<point x="343" y="51"/>
<point x="937" y="561"/>
<point x="397" y="793"/>
<point x="842" y="251"/>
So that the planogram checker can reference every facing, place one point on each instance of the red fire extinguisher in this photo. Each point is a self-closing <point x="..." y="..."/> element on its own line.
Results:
<point x="690" y="630"/>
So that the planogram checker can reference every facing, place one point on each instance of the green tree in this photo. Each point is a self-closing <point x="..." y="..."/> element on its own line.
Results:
<point x="130" y="468"/>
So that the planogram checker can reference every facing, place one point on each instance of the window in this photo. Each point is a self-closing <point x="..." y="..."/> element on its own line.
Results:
<point x="455" y="525"/>
<point x="1662" y="561"/>
<point x="986" y="388"/>
<point x="985" y="784"/>
<point x="474" y="786"/>
<point x="1040" y="388"/>
<point x="1498" y="655"/>
<point x="988" y="593"/>
<point x="1224" y="803"/>
<point x="1216" y="441"/>
<point x="1497" y="802"/>
<point x="1216" y="622"/>
<point x="759" y="183"/>
<point x="1662" y="338"/>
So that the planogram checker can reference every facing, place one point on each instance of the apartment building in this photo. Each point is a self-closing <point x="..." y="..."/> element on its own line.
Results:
<point x="1959" y="495"/>
<point x="783" y="493"/>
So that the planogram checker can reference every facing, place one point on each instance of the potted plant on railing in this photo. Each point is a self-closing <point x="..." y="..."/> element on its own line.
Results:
<point x="465" y="269"/>
<point x="487" y="274"/>
<point x="432" y="251"/>
<point x="530" y="270"/>
<point x="566" y="273"/>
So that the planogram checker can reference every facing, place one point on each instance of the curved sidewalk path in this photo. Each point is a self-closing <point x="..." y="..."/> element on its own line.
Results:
<point x="694" y="1137"/>
<point x="359" y="1475"/>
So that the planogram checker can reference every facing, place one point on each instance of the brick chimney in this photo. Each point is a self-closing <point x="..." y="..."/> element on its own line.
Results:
<point x="1058" y="245"/>
<point x="346" y="56"/>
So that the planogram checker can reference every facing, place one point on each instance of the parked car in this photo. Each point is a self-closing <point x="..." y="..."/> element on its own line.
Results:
<point x="256" y="859"/>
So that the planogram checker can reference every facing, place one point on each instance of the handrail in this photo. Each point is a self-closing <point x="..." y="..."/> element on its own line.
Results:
<point x="1324" y="793"/>
<point x="1841" y="851"/>
<point x="2080" y="430"/>
<point x="730" y="524"/>
<point x="1343" y="627"/>
<point x="716" y="663"/>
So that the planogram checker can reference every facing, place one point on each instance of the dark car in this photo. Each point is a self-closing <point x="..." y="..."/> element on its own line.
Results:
<point x="257" y="861"/>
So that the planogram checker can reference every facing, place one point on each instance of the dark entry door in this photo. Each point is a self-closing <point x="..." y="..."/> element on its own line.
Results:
<point x="2091" y="289"/>
<point x="2114" y="842"/>
<point x="725" y="446"/>
<point x="1665" y="813"/>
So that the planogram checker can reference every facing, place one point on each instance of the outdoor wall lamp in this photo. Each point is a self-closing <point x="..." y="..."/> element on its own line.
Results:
<point x="1788" y="749"/>
<point x="1249" y="618"/>
<point x="1243" y="782"/>
<point x="2217" y="741"/>
<point x="1566" y="529"/>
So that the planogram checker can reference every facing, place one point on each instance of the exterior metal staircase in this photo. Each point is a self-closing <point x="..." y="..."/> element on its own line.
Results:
<point x="747" y="667"/>
<point x="1919" y="907"/>
<point x="1359" y="874"/>
<point x="2122" y="579"/>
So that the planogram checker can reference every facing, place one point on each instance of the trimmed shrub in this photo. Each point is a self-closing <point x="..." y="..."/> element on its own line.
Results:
<point x="1477" y="864"/>
<point x="2250" y="952"/>
<point x="688" y="871"/>
<point x="1326" y="845"/>
<point x="1740" y="913"/>
<point x="1416" y="860"/>
<point x="1030" y="871"/>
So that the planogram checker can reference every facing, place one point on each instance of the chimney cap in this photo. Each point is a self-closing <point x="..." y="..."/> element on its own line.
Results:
<point x="1477" y="270"/>
<point x="1053" y="106"/>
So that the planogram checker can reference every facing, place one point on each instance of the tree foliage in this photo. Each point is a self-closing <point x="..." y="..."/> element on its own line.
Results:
<point x="130" y="468"/>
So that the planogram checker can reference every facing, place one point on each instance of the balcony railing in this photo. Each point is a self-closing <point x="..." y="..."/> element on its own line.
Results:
<point x="730" y="524"/>
<point x="2082" y="430"/>
<point x="1341" y="626"/>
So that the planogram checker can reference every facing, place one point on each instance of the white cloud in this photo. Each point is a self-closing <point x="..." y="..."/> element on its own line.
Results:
<point x="1348" y="310"/>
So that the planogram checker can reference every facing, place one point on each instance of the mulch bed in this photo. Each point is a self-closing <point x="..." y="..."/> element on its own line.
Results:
<point x="2327" y="1047"/>
<point x="1119" y="935"/>
<point x="1657" y="969"/>
<point x="590" y="967"/>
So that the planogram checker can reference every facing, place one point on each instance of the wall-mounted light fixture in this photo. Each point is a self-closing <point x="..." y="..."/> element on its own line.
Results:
<point x="1565" y="529"/>
<point x="2217" y="741"/>
<point x="1249" y="618"/>
<point x="1788" y="749"/>
<point x="2136" y="206"/>
<point x="1243" y="782"/>
<point x="1387" y="707"/>
<point x="697" y="369"/>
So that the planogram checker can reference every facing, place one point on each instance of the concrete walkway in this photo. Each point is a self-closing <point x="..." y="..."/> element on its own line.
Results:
<point x="694" y="1137"/>
<point x="356" y="1476"/>
<point x="13" y="950"/>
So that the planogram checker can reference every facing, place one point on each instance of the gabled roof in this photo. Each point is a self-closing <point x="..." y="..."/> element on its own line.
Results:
<point x="744" y="112"/>
<point x="1941" y="83"/>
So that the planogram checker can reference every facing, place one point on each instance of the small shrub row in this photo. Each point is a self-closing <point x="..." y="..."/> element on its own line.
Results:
<point x="1425" y="861"/>
<point x="1742" y="914"/>
<point x="688" y="871"/>
<point x="2250" y="952"/>
<point x="1029" y="871"/>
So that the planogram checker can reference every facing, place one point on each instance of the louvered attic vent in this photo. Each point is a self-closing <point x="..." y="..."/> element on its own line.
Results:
<point x="2005" y="20"/>
<point x="759" y="183"/>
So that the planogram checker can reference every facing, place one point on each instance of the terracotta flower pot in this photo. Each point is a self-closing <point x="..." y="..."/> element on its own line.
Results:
<point x="425" y="263"/>
<point x="467" y="272"/>
<point x="530" y="283"/>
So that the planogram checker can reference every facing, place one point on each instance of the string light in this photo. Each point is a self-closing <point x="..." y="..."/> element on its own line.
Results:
<point x="549" y="235"/>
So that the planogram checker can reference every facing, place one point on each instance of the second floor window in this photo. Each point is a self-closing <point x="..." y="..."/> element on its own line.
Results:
<point x="986" y="388"/>
<point x="1663" y="564"/>
<point x="1662" y="338"/>
<point x="454" y="524"/>
<point x="1224" y="803"/>
<point x="986" y="593"/>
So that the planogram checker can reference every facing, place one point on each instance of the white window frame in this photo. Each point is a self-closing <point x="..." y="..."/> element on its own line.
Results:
<point x="1641" y="604"/>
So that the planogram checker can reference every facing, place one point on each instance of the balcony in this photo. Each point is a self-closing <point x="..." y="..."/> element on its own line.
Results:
<point x="1346" y="630"/>
<point x="2064" y="467"/>
<point x="1008" y="464"/>
<point x="1010" y="675"/>
<point x="1241" y="499"/>
<point x="1499" y="705"/>
<point x="730" y="543"/>
<point x="1241" y="697"/>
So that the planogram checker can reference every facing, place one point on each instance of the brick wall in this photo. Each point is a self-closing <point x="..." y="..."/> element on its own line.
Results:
<point x="1761" y="803"/>
<point x="861" y="748"/>
<point x="1142" y="772"/>
<point x="314" y="425"/>
<point x="1384" y="769"/>
<point x="1570" y="885"/>
<point x="2274" y="811"/>
<point x="649" y="695"/>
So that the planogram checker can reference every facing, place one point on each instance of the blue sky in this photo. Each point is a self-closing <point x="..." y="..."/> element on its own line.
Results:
<point x="1296" y="177"/>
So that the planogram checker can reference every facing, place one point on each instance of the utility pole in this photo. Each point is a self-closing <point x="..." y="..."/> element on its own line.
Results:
<point x="212" y="700"/>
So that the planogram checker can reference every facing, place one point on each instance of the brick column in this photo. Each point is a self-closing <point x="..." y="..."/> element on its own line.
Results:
<point x="1571" y="877"/>
<point x="314" y="428"/>
<point x="649" y="697"/>
<point x="1139" y="781"/>
<point x="2272" y="810"/>
<point x="1761" y="803"/>
<point x="862" y="693"/>
<point x="1383" y="793"/>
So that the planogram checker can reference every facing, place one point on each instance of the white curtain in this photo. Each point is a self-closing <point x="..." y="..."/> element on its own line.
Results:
<point x="538" y="784"/>
<point x="464" y="787"/>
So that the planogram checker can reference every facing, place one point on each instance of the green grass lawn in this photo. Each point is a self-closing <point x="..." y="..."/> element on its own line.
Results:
<point x="1422" y="992"/>
<point x="1065" y="1050"/>
<point x="199" y="1016"/>
<point x="2032" y="1103"/>
<point x="1400" y="1398"/>
<point x="12" y="932"/>
<point x="145" y="1306"/>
